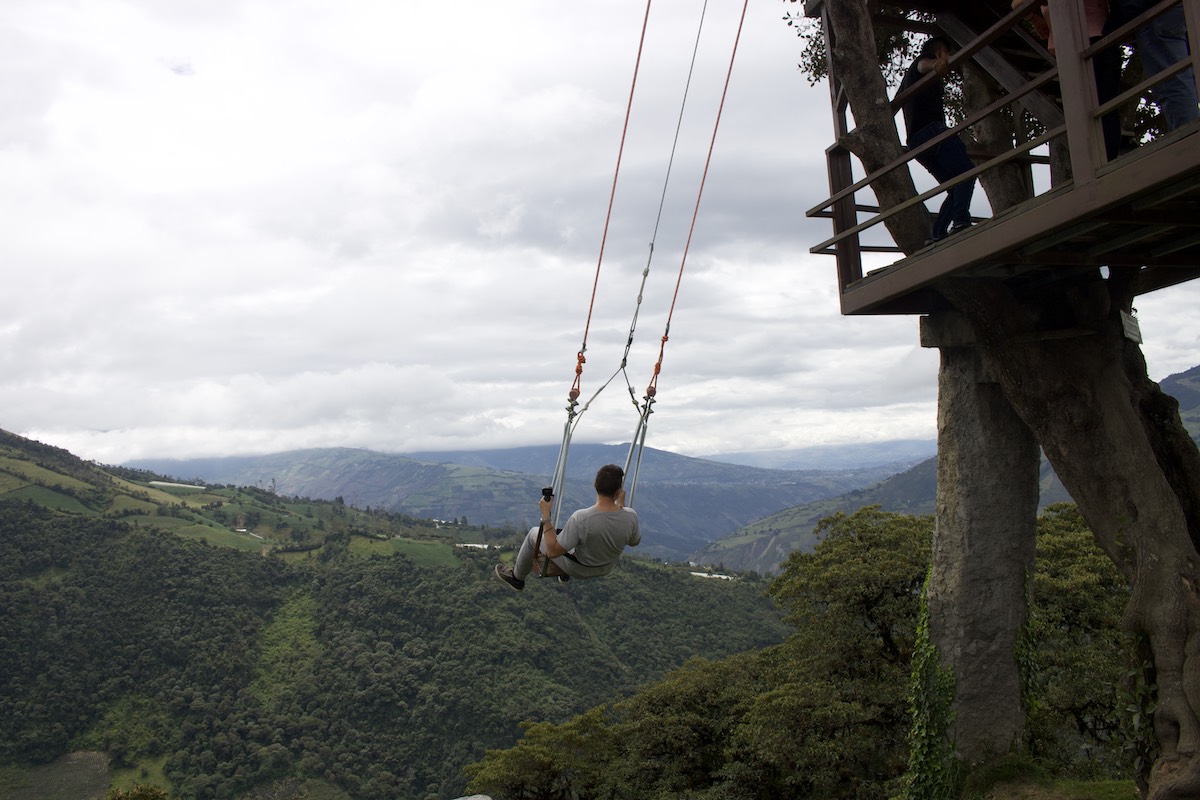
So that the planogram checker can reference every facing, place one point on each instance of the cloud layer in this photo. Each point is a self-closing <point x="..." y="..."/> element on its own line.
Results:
<point x="247" y="226"/>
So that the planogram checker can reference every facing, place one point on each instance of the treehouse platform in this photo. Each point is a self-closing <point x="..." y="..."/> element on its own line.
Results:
<point x="1140" y="210"/>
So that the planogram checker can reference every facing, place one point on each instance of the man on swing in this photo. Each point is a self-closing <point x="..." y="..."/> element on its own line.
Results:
<point x="591" y="542"/>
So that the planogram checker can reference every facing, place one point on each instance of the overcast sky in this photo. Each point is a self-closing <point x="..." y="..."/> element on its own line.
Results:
<point x="245" y="226"/>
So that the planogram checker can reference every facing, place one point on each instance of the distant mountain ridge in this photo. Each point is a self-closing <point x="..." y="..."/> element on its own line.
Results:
<point x="763" y="545"/>
<point x="686" y="502"/>
<point x="898" y="453"/>
<point x="716" y="509"/>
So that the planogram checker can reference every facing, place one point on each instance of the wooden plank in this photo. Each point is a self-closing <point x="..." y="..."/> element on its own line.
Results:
<point x="1005" y="239"/>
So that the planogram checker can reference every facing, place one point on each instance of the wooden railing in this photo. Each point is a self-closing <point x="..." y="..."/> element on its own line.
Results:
<point x="1077" y="118"/>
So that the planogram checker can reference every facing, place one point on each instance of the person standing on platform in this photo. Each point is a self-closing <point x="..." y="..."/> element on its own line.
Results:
<point x="925" y="118"/>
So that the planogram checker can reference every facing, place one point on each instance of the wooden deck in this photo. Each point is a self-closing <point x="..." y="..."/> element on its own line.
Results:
<point x="1141" y="210"/>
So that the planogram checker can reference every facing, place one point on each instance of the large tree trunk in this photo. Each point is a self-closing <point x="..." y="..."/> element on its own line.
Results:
<point x="1134" y="488"/>
<point x="1112" y="436"/>
<point x="983" y="546"/>
<point x="987" y="461"/>
<point x="1012" y="183"/>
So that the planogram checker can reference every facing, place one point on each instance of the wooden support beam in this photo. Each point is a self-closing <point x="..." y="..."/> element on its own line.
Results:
<point x="1134" y="236"/>
<point x="1154" y="278"/>
<point x="1174" y="246"/>
<point x="1009" y="77"/>
<point x="1083" y="135"/>
<point x="1064" y="235"/>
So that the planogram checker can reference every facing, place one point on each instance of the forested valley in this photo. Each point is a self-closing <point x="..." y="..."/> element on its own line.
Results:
<point x="224" y="674"/>
<point x="330" y="653"/>
<point x="852" y="704"/>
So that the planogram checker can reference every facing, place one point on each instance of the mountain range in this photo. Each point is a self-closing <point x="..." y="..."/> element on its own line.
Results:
<point x="763" y="545"/>
<point x="686" y="502"/>
<point x="727" y="510"/>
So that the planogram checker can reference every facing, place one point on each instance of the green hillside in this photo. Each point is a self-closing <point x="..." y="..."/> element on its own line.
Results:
<point x="347" y="654"/>
<point x="683" y="502"/>
<point x="249" y="518"/>
<point x="846" y="706"/>
<point x="763" y="545"/>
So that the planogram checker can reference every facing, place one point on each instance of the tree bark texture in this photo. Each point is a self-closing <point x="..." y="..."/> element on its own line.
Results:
<point x="874" y="139"/>
<point x="1112" y="436"/>
<point x="1133" y="476"/>
<point x="983" y="551"/>
<point x="1012" y="183"/>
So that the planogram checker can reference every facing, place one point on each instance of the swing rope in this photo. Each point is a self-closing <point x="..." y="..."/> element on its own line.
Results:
<point x="580" y="359"/>
<point x="638" y="442"/>
<point x="560" y="466"/>
<point x="662" y="201"/>
<point x="639" y="439"/>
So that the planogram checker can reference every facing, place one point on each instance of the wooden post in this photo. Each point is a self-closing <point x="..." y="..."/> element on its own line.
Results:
<point x="1191" y="15"/>
<point x="1079" y="98"/>
<point x="840" y="166"/>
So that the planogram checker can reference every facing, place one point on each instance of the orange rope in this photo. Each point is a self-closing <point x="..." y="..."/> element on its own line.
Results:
<point x="608" y="216"/>
<point x="652" y="388"/>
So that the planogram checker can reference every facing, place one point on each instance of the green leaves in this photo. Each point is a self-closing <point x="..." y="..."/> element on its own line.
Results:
<point x="821" y="715"/>
<point x="855" y="704"/>
<point x="932" y="769"/>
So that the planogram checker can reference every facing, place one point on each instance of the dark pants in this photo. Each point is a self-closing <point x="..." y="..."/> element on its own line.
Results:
<point x="1107" y="66"/>
<point x="944" y="162"/>
<point x="1161" y="42"/>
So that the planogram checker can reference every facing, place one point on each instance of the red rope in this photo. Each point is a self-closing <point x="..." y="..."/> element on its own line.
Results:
<point x="608" y="216"/>
<point x="652" y="389"/>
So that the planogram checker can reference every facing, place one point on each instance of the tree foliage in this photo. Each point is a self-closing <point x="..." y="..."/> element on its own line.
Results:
<point x="894" y="44"/>
<point x="376" y="675"/>
<point x="825" y="714"/>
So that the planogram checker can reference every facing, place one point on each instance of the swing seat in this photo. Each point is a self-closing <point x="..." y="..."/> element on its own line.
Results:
<point x="543" y="566"/>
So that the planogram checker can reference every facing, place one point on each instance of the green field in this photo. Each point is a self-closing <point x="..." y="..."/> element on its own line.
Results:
<point x="190" y="529"/>
<point x="10" y="483"/>
<point x="36" y="474"/>
<point x="124" y="502"/>
<point x="50" y="499"/>
<point x="424" y="553"/>
<point x="321" y="790"/>
<point x="150" y="772"/>
<point x="153" y="493"/>
<point x="221" y="538"/>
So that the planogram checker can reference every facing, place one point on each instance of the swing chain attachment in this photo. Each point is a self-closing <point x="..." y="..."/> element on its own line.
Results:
<point x="573" y="395"/>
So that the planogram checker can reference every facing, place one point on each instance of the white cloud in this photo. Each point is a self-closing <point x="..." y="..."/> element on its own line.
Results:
<point x="244" y="226"/>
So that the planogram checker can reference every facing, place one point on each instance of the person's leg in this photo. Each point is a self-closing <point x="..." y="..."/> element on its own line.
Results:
<point x="945" y="216"/>
<point x="941" y="223"/>
<point x="953" y="160"/>
<point x="1161" y="42"/>
<point x="929" y="161"/>
<point x="1107" y="68"/>
<point x="524" y="563"/>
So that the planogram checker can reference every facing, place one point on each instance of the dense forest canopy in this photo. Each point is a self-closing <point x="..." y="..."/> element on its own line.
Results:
<point x="374" y="676"/>
<point x="827" y="713"/>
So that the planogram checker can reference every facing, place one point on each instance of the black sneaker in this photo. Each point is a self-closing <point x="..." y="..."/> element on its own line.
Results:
<point x="564" y="578"/>
<point x="505" y="574"/>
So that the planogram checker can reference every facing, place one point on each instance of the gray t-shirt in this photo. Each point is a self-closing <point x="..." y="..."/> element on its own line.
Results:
<point x="596" y="539"/>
